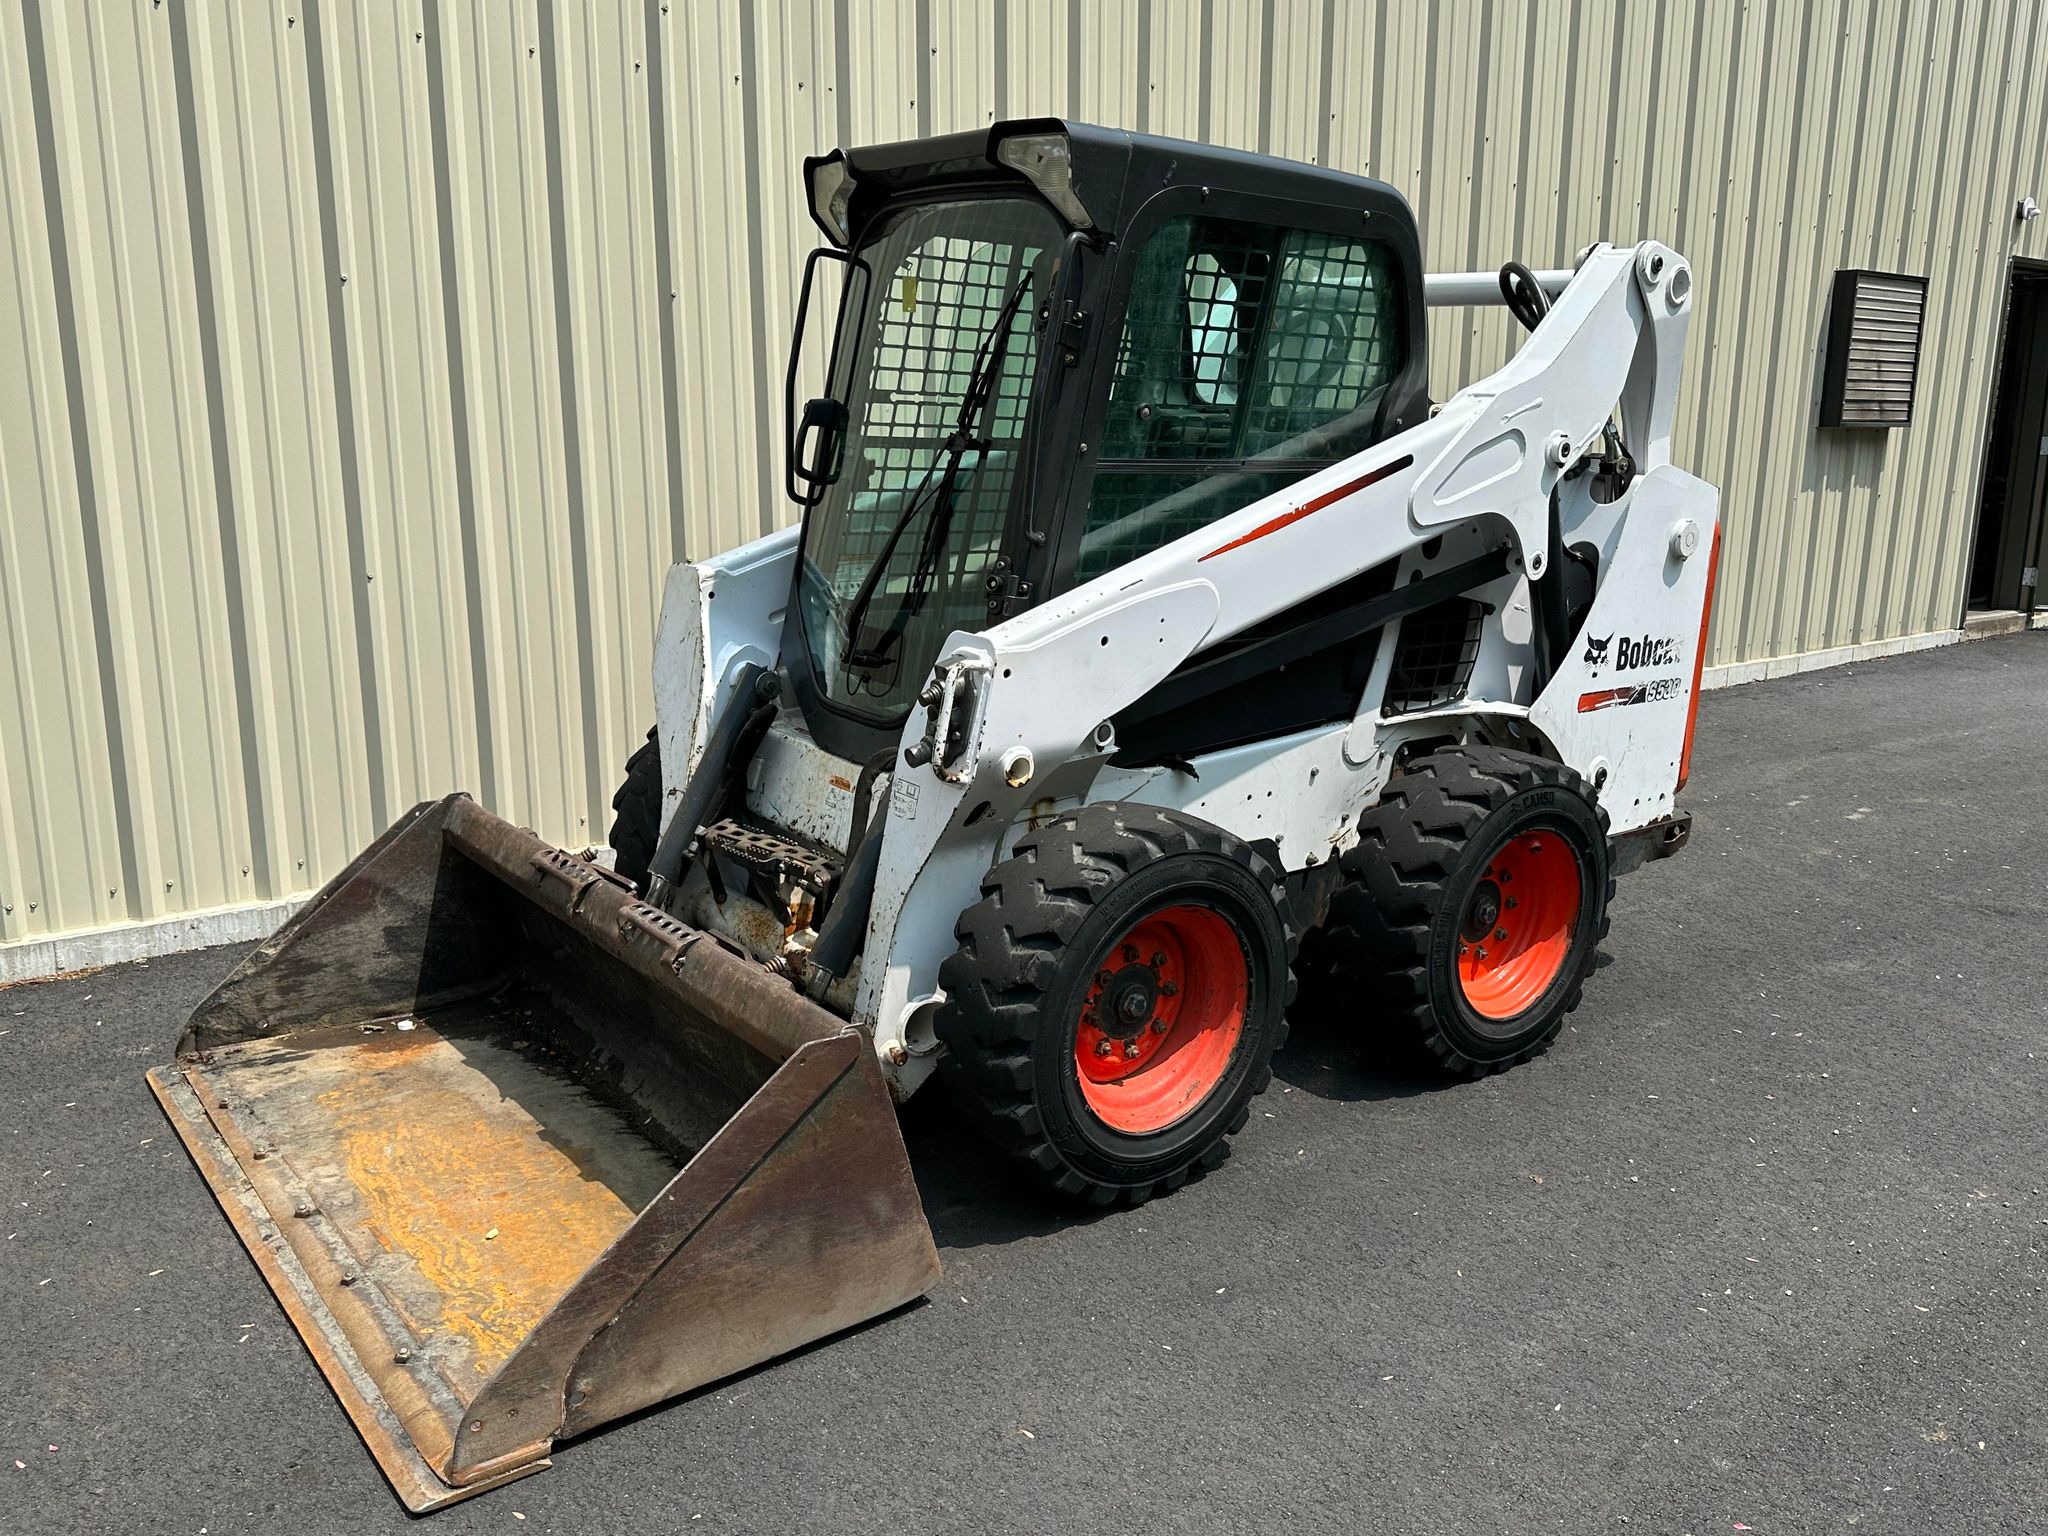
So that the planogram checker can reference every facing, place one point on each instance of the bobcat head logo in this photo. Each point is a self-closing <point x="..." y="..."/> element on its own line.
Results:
<point x="1596" y="650"/>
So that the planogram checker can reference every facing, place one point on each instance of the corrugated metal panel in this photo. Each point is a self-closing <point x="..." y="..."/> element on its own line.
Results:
<point x="363" y="364"/>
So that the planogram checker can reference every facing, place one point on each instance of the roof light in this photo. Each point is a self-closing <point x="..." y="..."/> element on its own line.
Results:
<point x="831" y="195"/>
<point x="1048" y="161"/>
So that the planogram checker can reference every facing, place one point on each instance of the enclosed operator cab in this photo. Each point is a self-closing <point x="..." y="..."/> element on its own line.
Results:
<point x="1057" y="348"/>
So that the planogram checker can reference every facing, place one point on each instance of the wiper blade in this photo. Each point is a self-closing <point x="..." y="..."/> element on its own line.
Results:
<point x="988" y="362"/>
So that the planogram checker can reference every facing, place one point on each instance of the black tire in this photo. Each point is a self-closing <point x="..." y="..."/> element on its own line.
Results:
<point x="636" y="813"/>
<point x="1056" y="918"/>
<point x="1422" y="873"/>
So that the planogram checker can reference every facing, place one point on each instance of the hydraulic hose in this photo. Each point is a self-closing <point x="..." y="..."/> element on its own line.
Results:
<point x="754" y="690"/>
<point x="846" y="924"/>
<point x="1553" y="626"/>
<point x="863" y="796"/>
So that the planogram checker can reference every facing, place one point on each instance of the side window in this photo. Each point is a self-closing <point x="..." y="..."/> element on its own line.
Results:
<point x="1212" y="330"/>
<point x="1251" y="355"/>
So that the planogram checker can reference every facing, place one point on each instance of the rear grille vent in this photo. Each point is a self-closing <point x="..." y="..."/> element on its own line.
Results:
<point x="1873" y="360"/>
<point x="1433" y="658"/>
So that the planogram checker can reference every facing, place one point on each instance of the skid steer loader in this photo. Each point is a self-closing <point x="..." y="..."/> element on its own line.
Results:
<point x="1149" y="635"/>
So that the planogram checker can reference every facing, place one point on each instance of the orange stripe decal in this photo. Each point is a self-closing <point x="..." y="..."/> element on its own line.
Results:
<point x="1370" y="477"/>
<point x="1699" y="661"/>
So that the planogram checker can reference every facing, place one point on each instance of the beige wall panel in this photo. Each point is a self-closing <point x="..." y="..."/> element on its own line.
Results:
<point x="282" y="553"/>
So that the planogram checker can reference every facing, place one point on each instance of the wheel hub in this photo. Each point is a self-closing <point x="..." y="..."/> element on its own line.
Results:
<point x="1482" y="911"/>
<point x="1513" y="947"/>
<point x="1126" y="1005"/>
<point x="1163" y="1015"/>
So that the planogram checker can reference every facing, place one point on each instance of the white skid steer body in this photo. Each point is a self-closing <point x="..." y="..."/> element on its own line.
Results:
<point x="1038" y="691"/>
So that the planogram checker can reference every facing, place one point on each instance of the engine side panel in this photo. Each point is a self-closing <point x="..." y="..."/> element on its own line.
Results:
<point x="1616" y="710"/>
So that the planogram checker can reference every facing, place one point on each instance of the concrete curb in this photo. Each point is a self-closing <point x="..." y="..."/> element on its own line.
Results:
<point x="86" y="949"/>
<point x="1839" y="656"/>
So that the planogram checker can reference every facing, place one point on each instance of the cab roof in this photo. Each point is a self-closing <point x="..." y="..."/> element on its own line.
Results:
<point x="1113" y="172"/>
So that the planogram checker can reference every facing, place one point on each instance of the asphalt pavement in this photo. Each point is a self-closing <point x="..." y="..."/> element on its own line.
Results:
<point x="1760" y="1244"/>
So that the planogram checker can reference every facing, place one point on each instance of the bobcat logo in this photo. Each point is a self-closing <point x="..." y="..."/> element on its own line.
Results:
<point x="1650" y="651"/>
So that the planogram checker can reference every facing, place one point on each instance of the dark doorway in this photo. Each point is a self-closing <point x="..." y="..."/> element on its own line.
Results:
<point x="2005" y="564"/>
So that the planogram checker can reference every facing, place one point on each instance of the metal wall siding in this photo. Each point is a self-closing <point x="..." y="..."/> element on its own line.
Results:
<point x="363" y="363"/>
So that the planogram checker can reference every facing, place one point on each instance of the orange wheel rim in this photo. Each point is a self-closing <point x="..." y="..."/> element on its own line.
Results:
<point x="1518" y="925"/>
<point x="1164" y="1012"/>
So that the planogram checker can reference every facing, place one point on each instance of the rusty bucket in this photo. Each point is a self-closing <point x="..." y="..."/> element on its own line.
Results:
<point x="520" y="1154"/>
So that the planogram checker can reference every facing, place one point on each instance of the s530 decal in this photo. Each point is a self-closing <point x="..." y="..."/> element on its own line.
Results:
<point x="1652" y="692"/>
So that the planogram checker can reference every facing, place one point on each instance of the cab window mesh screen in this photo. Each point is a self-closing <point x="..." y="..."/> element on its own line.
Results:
<point x="1325" y="346"/>
<point x="943" y="275"/>
<point x="935" y="311"/>
<point x="1250" y="355"/>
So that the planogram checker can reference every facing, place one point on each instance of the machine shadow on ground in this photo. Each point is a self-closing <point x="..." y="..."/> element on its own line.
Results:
<point x="973" y="1197"/>
<point x="1334" y="1051"/>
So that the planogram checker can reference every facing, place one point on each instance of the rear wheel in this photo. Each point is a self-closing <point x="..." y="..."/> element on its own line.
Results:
<point x="1117" y="997"/>
<point x="1473" y="904"/>
<point x="636" y="813"/>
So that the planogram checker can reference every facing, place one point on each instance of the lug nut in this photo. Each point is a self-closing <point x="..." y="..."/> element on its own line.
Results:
<point x="1500" y="933"/>
<point x="1159" y="1026"/>
<point x="1103" y="1047"/>
<point x="1103" y="978"/>
<point x="1130" y="1050"/>
<point x="1512" y="903"/>
<point x="1158" y="958"/>
<point x="1130" y="954"/>
<point x="1168" y="989"/>
<point x="1482" y="951"/>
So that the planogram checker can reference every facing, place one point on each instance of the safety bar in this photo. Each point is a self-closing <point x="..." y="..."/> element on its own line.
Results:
<point x="1443" y="290"/>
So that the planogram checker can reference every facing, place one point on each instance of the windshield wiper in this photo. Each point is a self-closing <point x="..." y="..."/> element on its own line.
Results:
<point x="988" y="364"/>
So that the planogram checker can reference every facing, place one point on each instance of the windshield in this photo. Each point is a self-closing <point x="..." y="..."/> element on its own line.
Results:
<point x="944" y="276"/>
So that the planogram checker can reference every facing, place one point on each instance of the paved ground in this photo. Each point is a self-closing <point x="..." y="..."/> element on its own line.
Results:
<point x="1761" y="1245"/>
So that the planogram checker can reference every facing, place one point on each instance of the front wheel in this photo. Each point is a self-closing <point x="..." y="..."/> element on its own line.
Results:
<point x="1473" y="904"/>
<point x="1117" y="997"/>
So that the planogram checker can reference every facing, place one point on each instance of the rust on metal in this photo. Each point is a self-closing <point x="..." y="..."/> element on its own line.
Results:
<point x="397" y="1453"/>
<point x="494" y="1219"/>
<point x="464" y="1169"/>
<point x="542" y="1155"/>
